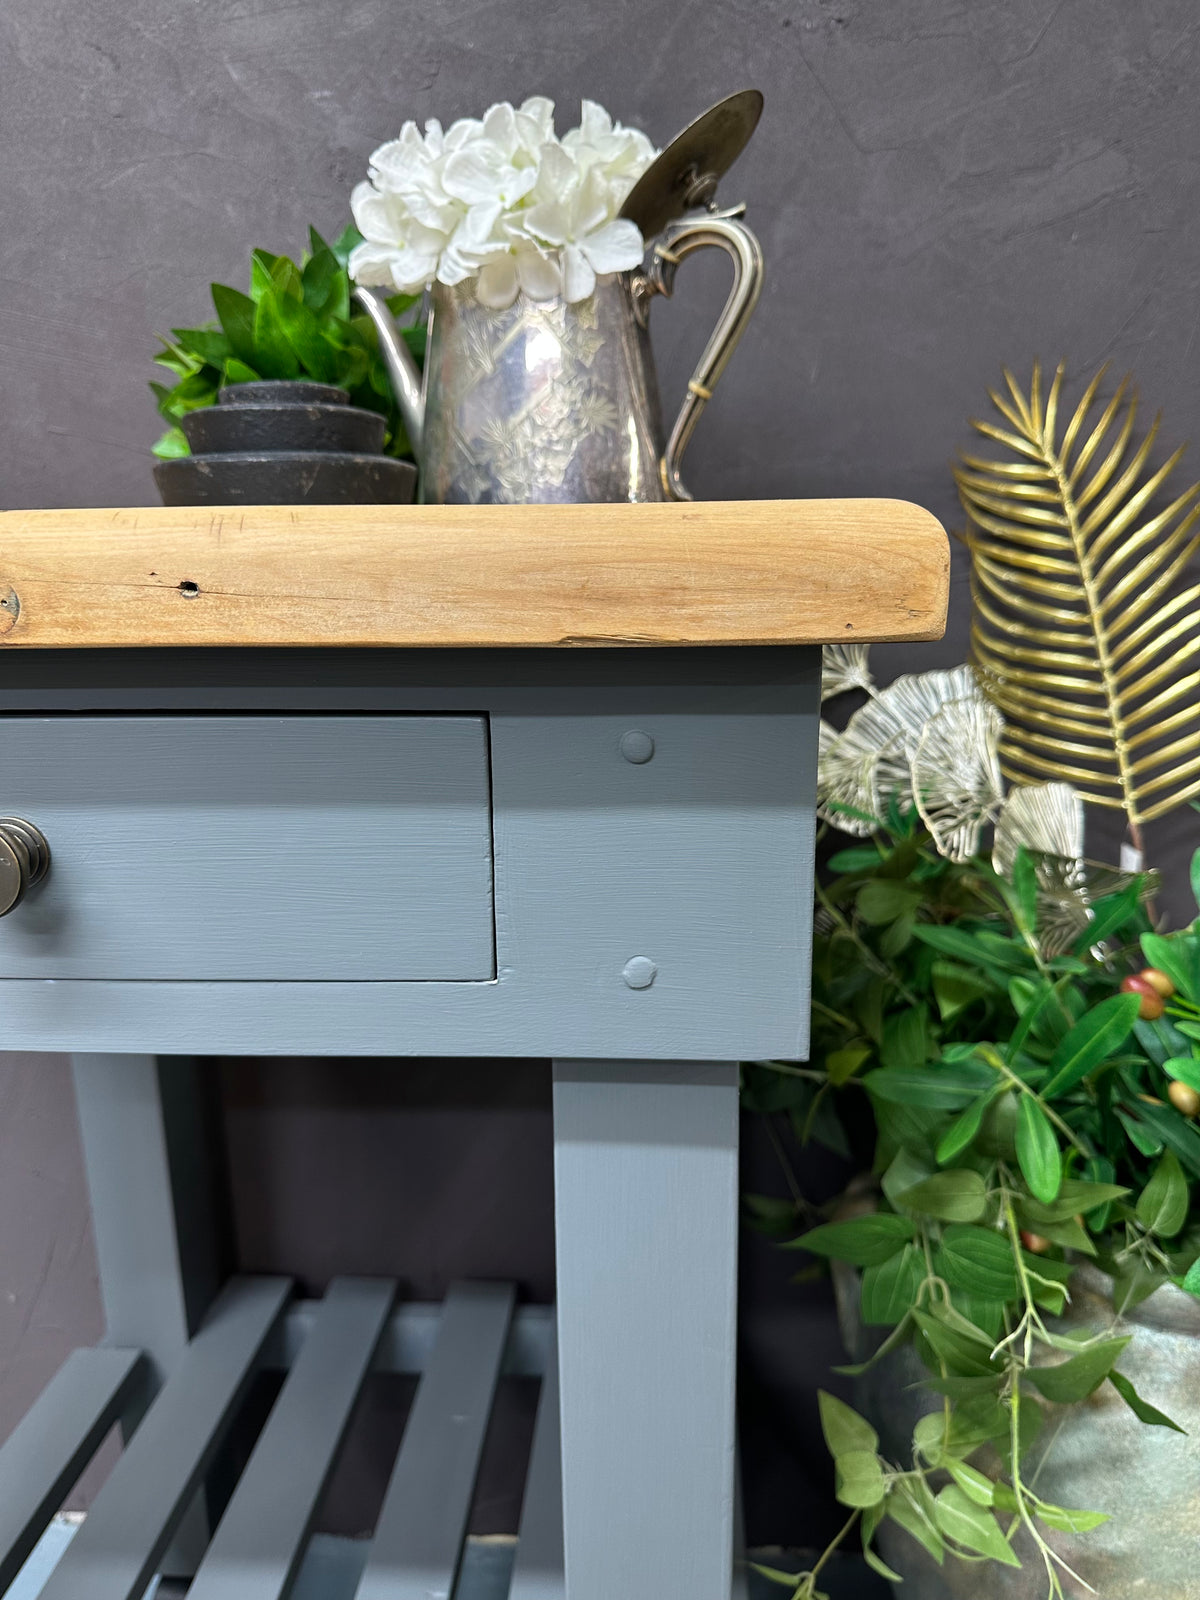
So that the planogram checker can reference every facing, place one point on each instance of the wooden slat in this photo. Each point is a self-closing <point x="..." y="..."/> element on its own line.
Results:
<point x="113" y="1555"/>
<point x="725" y="572"/>
<point x="54" y="1441"/>
<point x="538" y="1572"/>
<point x="256" y="1551"/>
<point x="419" y="1537"/>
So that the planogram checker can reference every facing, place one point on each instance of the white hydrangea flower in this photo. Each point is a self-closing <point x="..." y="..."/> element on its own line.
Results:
<point x="501" y="200"/>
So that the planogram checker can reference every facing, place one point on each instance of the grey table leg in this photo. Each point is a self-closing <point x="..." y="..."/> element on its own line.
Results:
<point x="150" y="1178"/>
<point x="646" y="1215"/>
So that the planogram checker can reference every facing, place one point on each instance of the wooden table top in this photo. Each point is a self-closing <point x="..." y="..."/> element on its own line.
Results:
<point x="787" y="572"/>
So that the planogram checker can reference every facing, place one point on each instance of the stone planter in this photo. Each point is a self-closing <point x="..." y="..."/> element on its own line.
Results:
<point x="284" y="444"/>
<point x="1096" y="1456"/>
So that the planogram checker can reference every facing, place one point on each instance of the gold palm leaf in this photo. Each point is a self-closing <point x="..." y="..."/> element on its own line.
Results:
<point x="1086" y="633"/>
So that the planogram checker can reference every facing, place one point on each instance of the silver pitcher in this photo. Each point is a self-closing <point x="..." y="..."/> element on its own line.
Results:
<point x="554" y="402"/>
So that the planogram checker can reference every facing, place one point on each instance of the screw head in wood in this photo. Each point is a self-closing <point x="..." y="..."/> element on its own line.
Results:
<point x="639" y="972"/>
<point x="637" y="746"/>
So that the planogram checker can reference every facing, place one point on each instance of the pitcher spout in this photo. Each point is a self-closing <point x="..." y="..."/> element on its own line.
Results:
<point x="403" y="371"/>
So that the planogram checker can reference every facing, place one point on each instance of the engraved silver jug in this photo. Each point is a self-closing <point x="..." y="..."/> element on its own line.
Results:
<point x="548" y="401"/>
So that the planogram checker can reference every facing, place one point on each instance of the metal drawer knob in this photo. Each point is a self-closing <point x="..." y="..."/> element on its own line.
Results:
<point x="24" y="861"/>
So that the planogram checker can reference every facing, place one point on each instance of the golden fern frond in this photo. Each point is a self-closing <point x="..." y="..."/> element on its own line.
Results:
<point x="1085" y="633"/>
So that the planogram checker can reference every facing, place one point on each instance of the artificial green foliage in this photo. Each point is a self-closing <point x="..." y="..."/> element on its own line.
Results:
<point x="1022" y="1123"/>
<point x="296" y="322"/>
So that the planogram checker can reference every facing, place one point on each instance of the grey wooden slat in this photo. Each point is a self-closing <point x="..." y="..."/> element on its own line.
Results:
<point x="419" y="1536"/>
<point x="256" y="1551"/>
<point x="54" y="1441"/>
<point x="130" y="1524"/>
<point x="411" y="1333"/>
<point x="150" y="1183"/>
<point x="646" y="1209"/>
<point x="538" y="1573"/>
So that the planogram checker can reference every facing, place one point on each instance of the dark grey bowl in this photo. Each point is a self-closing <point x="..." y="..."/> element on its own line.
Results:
<point x="282" y="392"/>
<point x="258" y="429"/>
<point x="286" y="478"/>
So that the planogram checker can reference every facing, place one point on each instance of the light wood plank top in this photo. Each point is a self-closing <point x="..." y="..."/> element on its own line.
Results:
<point x="711" y="573"/>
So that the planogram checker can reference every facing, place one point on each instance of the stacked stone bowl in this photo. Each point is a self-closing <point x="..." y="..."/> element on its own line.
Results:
<point x="281" y="443"/>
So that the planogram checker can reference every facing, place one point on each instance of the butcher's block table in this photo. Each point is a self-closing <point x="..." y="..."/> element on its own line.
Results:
<point x="432" y="781"/>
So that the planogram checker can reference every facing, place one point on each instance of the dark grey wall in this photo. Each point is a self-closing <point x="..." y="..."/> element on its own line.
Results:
<point x="941" y="187"/>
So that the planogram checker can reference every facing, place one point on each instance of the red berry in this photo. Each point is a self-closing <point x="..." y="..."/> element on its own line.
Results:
<point x="1152" y="1004"/>
<point x="1158" y="980"/>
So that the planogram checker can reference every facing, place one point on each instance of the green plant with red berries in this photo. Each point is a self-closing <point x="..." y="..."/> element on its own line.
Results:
<point x="1033" y="1107"/>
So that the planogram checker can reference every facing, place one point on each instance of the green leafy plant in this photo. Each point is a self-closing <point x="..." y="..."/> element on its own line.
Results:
<point x="296" y="322"/>
<point x="1032" y="1092"/>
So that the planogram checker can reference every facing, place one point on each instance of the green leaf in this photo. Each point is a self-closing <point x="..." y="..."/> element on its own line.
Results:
<point x="238" y="372"/>
<point x="209" y="345"/>
<point x="1184" y="1069"/>
<point x="956" y="987"/>
<point x="1143" y="1139"/>
<point x="972" y="1526"/>
<point x="859" y="1479"/>
<point x="172" y="444"/>
<point x="1037" y="1151"/>
<point x="1141" y="1409"/>
<point x="236" y="312"/>
<point x="958" y="1195"/>
<point x="976" y="1485"/>
<point x="326" y="286"/>
<point x="863" y="1241"/>
<point x="858" y="859"/>
<point x="261" y="262"/>
<point x="1162" y="1206"/>
<point x="881" y="901"/>
<point x="841" y="1065"/>
<point x="1064" y="1521"/>
<point x="998" y="956"/>
<point x="346" y="242"/>
<point x="1177" y="957"/>
<point x="979" y="1261"/>
<point x="911" y="1508"/>
<point x="889" y="1290"/>
<point x="1079" y="1376"/>
<point x="936" y="1086"/>
<point x="846" y="1433"/>
<point x="1098" y="1034"/>
<point x="315" y="353"/>
<point x="273" y="353"/>
<point x="962" y="1130"/>
<point x="1025" y="890"/>
<point x="1196" y="877"/>
<point x="1191" y="1282"/>
<point x="1172" y="1130"/>
<point x="966" y="1350"/>
<point x="1110" y="914"/>
<point x="880" y="1566"/>
<point x="906" y="1038"/>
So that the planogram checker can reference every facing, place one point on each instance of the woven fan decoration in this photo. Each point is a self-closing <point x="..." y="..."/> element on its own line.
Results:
<point x="1086" y="631"/>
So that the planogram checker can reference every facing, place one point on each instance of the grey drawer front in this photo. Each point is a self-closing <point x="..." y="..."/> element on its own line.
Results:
<point x="244" y="848"/>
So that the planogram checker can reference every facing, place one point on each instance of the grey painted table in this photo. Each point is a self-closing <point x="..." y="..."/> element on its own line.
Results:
<point x="603" y="856"/>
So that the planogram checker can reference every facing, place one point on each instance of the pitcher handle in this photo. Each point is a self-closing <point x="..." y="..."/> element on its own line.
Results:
<point x="679" y="240"/>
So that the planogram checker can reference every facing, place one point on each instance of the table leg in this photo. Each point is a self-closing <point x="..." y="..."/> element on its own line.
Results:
<point x="646" y="1200"/>
<point x="151" y="1182"/>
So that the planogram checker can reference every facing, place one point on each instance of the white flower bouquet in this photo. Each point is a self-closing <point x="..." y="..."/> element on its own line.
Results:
<point x="504" y="201"/>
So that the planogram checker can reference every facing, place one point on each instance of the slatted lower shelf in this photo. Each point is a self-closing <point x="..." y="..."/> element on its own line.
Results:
<point x="459" y="1350"/>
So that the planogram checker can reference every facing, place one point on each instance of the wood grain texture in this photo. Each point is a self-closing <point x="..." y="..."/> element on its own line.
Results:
<point x="722" y="572"/>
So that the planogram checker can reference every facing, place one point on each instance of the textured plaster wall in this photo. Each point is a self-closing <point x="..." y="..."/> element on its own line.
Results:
<point x="940" y="188"/>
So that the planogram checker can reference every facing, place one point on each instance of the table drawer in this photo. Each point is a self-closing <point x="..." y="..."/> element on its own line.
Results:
<point x="253" y="848"/>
